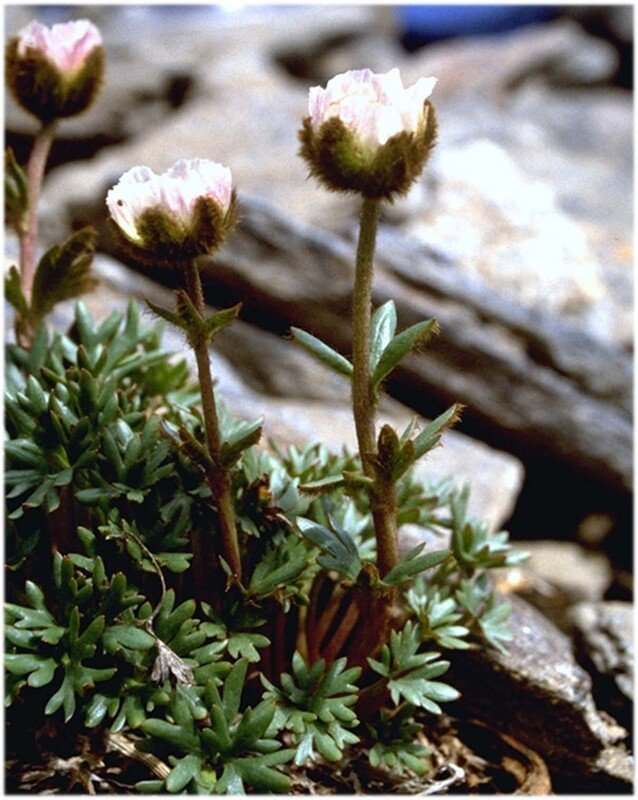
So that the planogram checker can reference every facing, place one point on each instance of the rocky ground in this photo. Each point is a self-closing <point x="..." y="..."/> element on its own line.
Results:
<point x="518" y="239"/>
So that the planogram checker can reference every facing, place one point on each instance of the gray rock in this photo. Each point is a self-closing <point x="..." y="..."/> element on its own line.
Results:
<point x="545" y="218"/>
<point x="557" y="575"/>
<point x="604" y="636"/>
<point x="621" y="22"/>
<point x="538" y="694"/>
<point x="549" y="53"/>
<point x="615" y="22"/>
<point x="539" y="182"/>
<point x="576" y="573"/>
<point x="514" y="233"/>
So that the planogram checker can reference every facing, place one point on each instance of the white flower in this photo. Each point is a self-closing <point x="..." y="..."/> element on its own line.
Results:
<point x="367" y="133"/>
<point x="66" y="45"/>
<point x="374" y="107"/>
<point x="174" y="193"/>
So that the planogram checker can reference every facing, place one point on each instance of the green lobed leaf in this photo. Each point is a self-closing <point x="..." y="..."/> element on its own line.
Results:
<point x="245" y="644"/>
<point x="175" y="562"/>
<point x="281" y="566"/>
<point x="64" y="697"/>
<point x="118" y="636"/>
<point x="253" y="725"/>
<point x="230" y="781"/>
<point x="244" y="436"/>
<point x="172" y="734"/>
<point x="44" y="674"/>
<point x="192" y="321"/>
<point x="438" y="613"/>
<point x="409" y="672"/>
<point x="233" y="688"/>
<point x="22" y="663"/>
<point x="323" y="486"/>
<point x="314" y="704"/>
<point x="493" y="623"/>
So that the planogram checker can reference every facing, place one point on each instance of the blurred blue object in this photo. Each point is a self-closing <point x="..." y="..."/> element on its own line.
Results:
<point x="420" y="24"/>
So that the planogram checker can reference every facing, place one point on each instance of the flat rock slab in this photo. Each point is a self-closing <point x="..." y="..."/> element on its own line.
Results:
<point x="604" y="636"/>
<point x="538" y="694"/>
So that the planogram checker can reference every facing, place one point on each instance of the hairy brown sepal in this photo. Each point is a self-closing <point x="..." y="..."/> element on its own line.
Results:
<point x="167" y="243"/>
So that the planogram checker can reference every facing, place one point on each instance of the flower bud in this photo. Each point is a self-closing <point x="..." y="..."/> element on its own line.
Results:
<point x="366" y="133"/>
<point x="170" y="218"/>
<point x="55" y="72"/>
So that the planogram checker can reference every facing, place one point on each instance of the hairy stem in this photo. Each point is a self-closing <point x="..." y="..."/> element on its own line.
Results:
<point x="218" y="476"/>
<point x="29" y="234"/>
<point x="382" y="497"/>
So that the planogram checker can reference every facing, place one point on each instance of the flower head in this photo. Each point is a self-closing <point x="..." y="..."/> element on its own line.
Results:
<point x="66" y="45"/>
<point x="184" y="212"/>
<point x="55" y="72"/>
<point x="366" y="132"/>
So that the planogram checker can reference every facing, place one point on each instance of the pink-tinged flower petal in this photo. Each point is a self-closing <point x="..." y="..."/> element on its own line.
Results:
<point x="175" y="193"/>
<point x="374" y="107"/>
<point x="33" y="35"/>
<point x="316" y="105"/>
<point x="203" y="178"/>
<point x="389" y="87"/>
<point x="422" y="89"/>
<point x="66" y="45"/>
<point x="136" y="191"/>
<point x="372" y="123"/>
